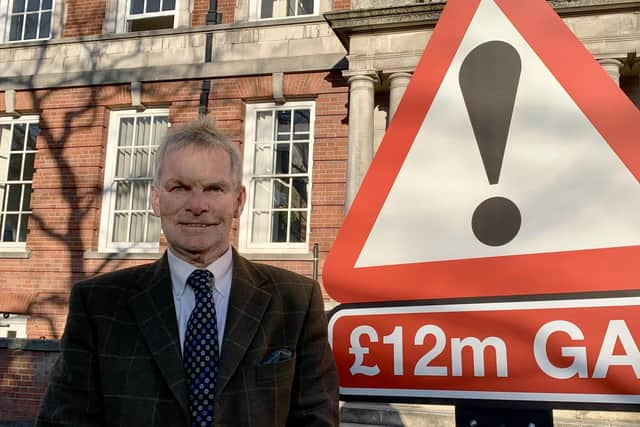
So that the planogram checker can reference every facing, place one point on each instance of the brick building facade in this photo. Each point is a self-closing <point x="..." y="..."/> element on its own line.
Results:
<point x="306" y="91"/>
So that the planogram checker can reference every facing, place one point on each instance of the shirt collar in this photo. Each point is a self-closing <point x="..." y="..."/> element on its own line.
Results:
<point x="220" y="268"/>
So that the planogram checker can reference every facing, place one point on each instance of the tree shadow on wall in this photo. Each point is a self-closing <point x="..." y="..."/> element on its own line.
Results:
<point x="63" y="227"/>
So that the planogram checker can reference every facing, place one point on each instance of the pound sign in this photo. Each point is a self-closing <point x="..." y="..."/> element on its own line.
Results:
<point x="358" y="351"/>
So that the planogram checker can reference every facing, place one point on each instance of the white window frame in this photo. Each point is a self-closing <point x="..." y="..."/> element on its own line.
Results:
<point x="256" y="6"/>
<point x="13" y="323"/>
<point x="4" y="151"/>
<point x="105" y="243"/>
<point x="124" y="6"/>
<point x="6" y="6"/>
<point x="246" y="219"/>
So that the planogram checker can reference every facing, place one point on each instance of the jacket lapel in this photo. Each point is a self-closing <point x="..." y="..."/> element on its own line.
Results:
<point x="154" y="311"/>
<point x="247" y="305"/>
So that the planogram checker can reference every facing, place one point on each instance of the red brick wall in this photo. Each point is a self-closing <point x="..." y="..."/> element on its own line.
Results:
<point x="67" y="184"/>
<point x="227" y="8"/>
<point x="67" y="188"/>
<point x="341" y="4"/>
<point x="23" y="378"/>
<point x="200" y="8"/>
<point x="84" y="17"/>
<point x="199" y="14"/>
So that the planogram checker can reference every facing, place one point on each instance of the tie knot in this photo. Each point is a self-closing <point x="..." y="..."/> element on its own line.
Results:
<point x="200" y="280"/>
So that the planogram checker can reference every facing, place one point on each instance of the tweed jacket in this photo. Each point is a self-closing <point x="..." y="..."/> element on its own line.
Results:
<point x="121" y="363"/>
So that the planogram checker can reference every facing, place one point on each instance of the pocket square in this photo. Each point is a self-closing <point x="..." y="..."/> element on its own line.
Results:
<point x="276" y="356"/>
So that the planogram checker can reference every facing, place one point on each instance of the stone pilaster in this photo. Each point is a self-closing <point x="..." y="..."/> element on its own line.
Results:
<point x="361" y="105"/>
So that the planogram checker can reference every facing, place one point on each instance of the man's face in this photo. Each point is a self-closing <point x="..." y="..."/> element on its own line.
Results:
<point x="196" y="200"/>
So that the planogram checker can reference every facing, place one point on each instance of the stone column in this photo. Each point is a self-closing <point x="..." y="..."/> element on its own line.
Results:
<point x="360" y="150"/>
<point x="612" y="67"/>
<point x="397" y="84"/>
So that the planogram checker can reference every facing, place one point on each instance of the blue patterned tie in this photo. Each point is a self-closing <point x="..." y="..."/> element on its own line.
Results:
<point x="201" y="359"/>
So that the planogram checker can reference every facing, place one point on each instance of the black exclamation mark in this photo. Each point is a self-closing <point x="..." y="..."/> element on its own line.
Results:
<point x="489" y="79"/>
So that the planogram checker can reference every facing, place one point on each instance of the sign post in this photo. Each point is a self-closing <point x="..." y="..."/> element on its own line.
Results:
<point x="491" y="253"/>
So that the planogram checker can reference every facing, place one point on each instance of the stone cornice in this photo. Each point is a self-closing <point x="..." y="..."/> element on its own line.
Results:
<point x="299" y="45"/>
<point x="346" y="23"/>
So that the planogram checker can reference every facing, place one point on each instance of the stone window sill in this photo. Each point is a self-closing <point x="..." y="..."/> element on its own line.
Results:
<point x="122" y="255"/>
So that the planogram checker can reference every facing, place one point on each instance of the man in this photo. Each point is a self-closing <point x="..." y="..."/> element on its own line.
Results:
<point x="201" y="337"/>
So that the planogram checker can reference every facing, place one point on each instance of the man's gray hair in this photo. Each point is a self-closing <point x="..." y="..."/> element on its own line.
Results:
<point x="199" y="133"/>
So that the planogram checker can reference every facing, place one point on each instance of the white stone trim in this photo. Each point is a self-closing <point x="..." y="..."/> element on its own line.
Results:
<point x="105" y="245"/>
<point x="255" y="6"/>
<point x="13" y="323"/>
<point x="57" y="22"/>
<point x="10" y="247"/>
<point x="244" y="240"/>
<point x="115" y="20"/>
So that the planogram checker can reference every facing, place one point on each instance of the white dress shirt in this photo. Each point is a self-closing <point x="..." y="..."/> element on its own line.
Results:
<point x="184" y="298"/>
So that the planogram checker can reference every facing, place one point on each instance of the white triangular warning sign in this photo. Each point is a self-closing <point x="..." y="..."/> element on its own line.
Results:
<point x="572" y="190"/>
<point x="525" y="182"/>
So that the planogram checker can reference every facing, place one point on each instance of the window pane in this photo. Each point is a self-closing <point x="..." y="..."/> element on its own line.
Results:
<point x="262" y="194"/>
<point x="264" y="126"/>
<point x="260" y="227"/>
<point x="5" y="135"/>
<point x="122" y="195"/>
<point x="151" y="23"/>
<point x="26" y="198"/>
<point x="280" y="194"/>
<point x="137" y="6"/>
<point x="10" y="228"/>
<point x="278" y="198"/>
<point x="282" y="159"/>
<point x="263" y="159"/>
<point x="13" y="200"/>
<point x="33" y="5"/>
<point x="31" y="26"/>
<point x="140" y="162"/>
<point x="15" y="164"/>
<point x="133" y="221"/>
<point x="301" y="124"/>
<point x="45" y="25"/>
<point x="152" y="160"/>
<point x="46" y="4"/>
<point x="17" y="143"/>
<point x="305" y="7"/>
<point x="153" y="232"/>
<point x="283" y="127"/>
<point x="120" y="228"/>
<point x="279" y="226"/>
<point x="34" y="130"/>
<point x="139" y="201"/>
<point x="24" y="223"/>
<point x="123" y="163"/>
<point x="27" y="173"/>
<point x="153" y="5"/>
<point x="15" y="33"/>
<point x="126" y="132"/>
<point x="266" y="9"/>
<point x="143" y="133"/>
<point x="137" y="227"/>
<point x="291" y="7"/>
<point x="300" y="158"/>
<point x="18" y="6"/>
<point x="298" y="232"/>
<point x="160" y="125"/>
<point x="299" y="193"/>
<point x="168" y="4"/>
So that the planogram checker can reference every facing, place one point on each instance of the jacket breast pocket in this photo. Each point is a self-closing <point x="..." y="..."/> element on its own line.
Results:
<point x="279" y="373"/>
